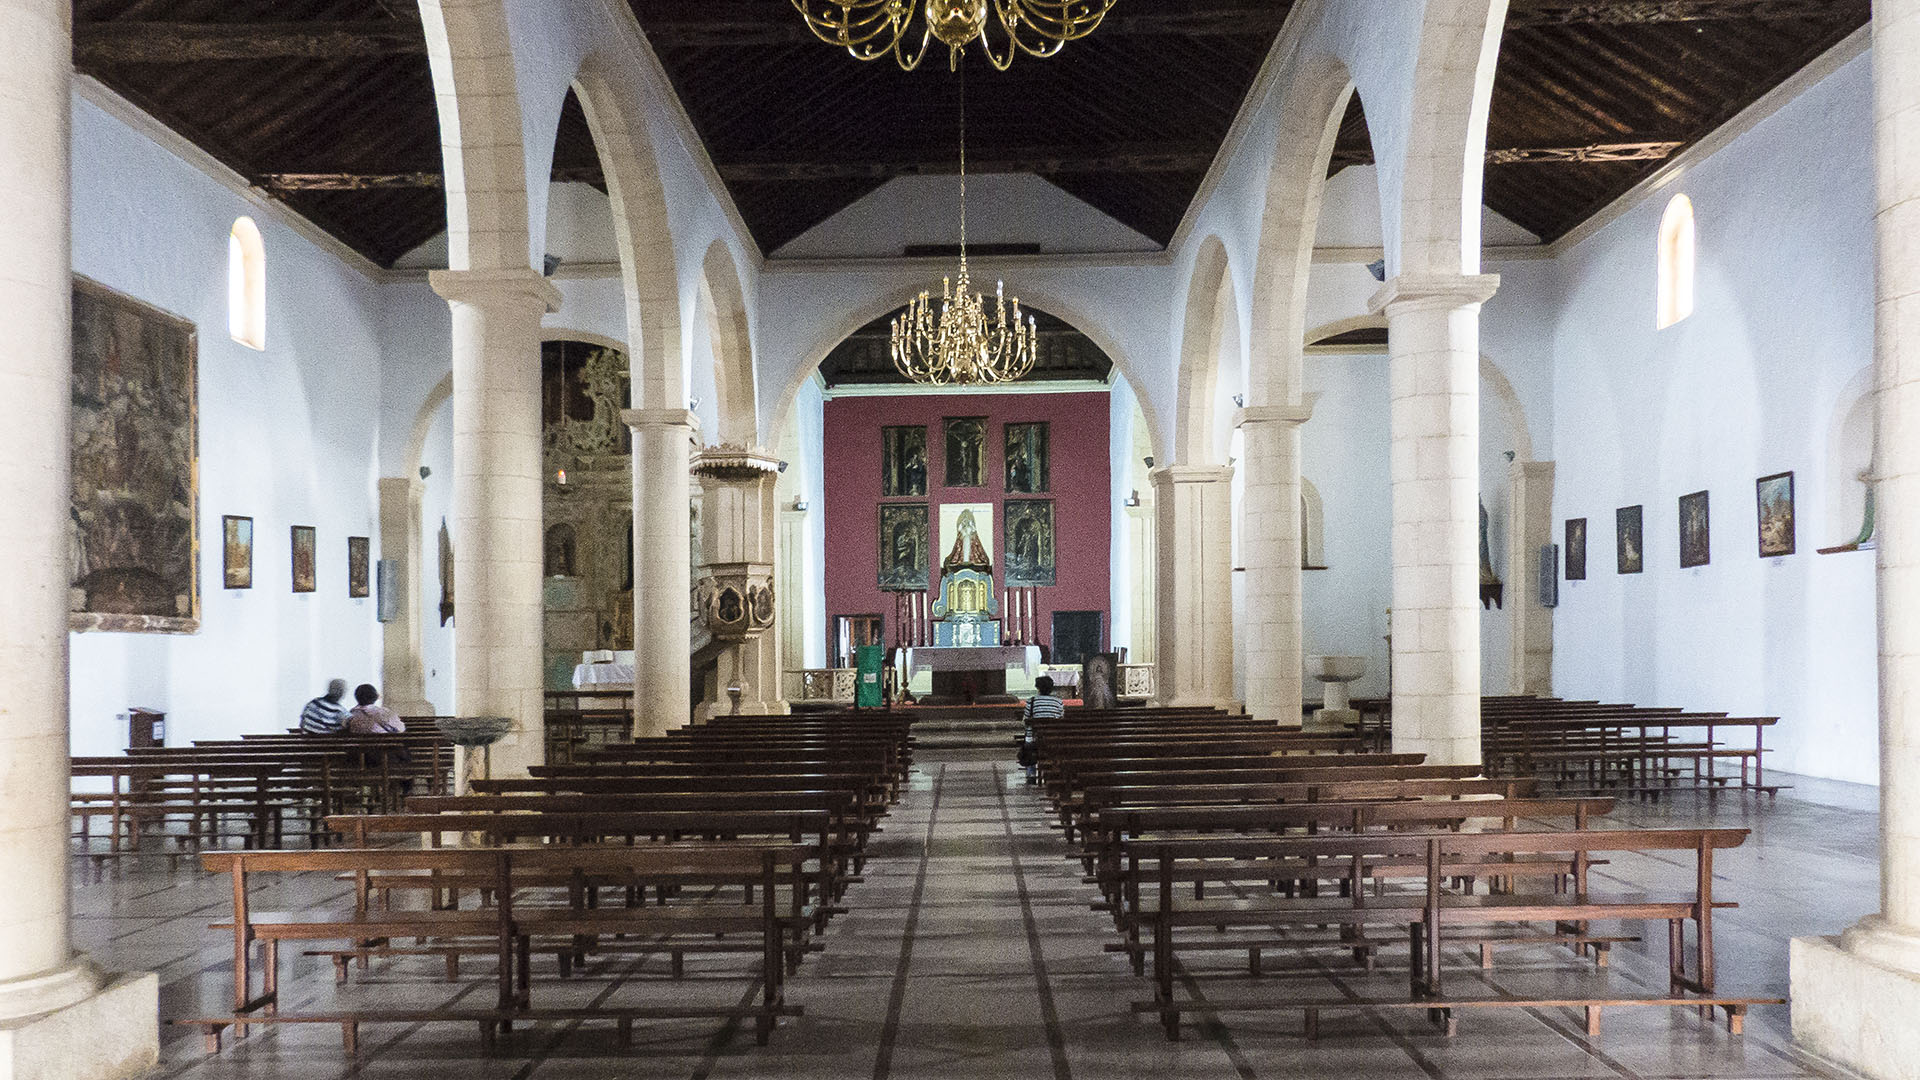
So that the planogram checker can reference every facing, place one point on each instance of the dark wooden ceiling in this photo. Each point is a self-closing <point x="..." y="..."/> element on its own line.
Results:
<point x="328" y="104"/>
<point x="1063" y="354"/>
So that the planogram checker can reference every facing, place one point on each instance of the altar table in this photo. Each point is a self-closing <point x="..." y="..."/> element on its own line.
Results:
<point x="975" y="658"/>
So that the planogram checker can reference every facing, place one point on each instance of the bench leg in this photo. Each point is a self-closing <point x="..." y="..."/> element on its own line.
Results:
<point x="1311" y="1024"/>
<point x="350" y="1038"/>
<point x="1593" y="1021"/>
<point x="1736" y="1019"/>
<point x="270" y="976"/>
<point x="212" y="1037"/>
<point x="1486" y="956"/>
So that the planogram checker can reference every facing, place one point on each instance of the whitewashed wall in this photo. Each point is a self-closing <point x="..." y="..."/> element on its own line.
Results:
<point x="288" y="436"/>
<point x="1751" y="385"/>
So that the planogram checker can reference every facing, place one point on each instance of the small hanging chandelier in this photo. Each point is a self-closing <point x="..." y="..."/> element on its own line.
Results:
<point x="871" y="29"/>
<point x="959" y="344"/>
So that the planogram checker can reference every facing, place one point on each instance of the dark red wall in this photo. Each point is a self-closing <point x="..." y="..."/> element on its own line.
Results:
<point x="1082" y="496"/>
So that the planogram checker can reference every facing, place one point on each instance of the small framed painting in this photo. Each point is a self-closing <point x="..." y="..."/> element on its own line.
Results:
<point x="1696" y="548"/>
<point x="1576" y="549"/>
<point x="1773" y="496"/>
<point x="358" y="570"/>
<point x="236" y="552"/>
<point x="1629" y="543"/>
<point x="304" y="543"/>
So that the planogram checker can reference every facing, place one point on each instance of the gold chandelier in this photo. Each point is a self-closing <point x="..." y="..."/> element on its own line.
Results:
<point x="959" y="344"/>
<point x="870" y="29"/>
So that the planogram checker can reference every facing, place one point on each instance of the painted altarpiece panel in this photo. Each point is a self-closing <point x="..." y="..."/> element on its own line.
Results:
<point x="903" y="462"/>
<point x="1029" y="544"/>
<point x="133" y="536"/>
<point x="966" y="446"/>
<point x="904" y="559"/>
<point x="1027" y="459"/>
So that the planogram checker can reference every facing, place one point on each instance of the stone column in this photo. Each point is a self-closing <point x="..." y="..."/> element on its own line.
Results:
<point x="1270" y="547"/>
<point x="1194" y="508"/>
<point x="1854" y="997"/>
<point x="1433" y="335"/>
<point x="1529" y="528"/>
<point x="662" y="569"/>
<point x="1146" y="573"/>
<point x="735" y="581"/>
<point x="497" y="621"/>
<point x="59" y="1015"/>
<point x="790" y="589"/>
<point x="403" y="679"/>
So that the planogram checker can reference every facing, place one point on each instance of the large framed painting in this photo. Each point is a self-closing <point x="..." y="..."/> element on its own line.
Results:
<point x="135" y="498"/>
<point x="904" y="560"/>
<point x="1027" y="465"/>
<point x="966" y="439"/>
<point x="1696" y="548"/>
<point x="305" y="548"/>
<point x="1773" y="496"/>
<point x="1629" y="540"/>
<point x="358" y="570"/>
<point x="236" y="552"/>
<point x="1027" y="547"/>
<point x="903" y="461"/>
<point x="1576" y="549"/>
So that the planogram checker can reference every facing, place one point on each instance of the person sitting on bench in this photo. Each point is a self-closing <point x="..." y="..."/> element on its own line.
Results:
<point x="325" y="715"/>
<point x="368" y="718"/>
<point x="1041" y="706"/>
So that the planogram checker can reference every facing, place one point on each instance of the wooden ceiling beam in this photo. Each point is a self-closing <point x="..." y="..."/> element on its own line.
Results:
<point x="1528" y="13"/>
<point x="284" y="182"/>
<point x="1040" y="163"/>
<point x="1592" y="153"/>
<point x="107" y="44"/>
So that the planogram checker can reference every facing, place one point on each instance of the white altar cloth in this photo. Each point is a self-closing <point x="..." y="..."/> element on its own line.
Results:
<point x="974" y="658"/>
<point x="599" y="676"/>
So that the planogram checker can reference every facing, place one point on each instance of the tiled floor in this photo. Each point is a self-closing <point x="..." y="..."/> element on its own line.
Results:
<point x="971" y="952"/>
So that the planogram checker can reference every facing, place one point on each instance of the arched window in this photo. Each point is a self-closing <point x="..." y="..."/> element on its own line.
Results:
<point x="247" y="285"/>
<point x="1676" y="262"/>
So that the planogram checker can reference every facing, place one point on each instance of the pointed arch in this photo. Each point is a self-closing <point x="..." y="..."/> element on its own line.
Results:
<point x="730" y="331"/>
<point x="644" y="233"/>
<point x="484" y="157"/>
<point x="1211" y="320"/>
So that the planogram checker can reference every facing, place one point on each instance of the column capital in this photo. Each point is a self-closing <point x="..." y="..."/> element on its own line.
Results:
<point x="737" y="463"/>
<point x="660" y="418"/>
<point x="1414" y="292"/>
<point x="1169" y="475"/>
<point x="1531" y="470"/>
<point x="482" y="287"/>
<point x="1290" y="415"/>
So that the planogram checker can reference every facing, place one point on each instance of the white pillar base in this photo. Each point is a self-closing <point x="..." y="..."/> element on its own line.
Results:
<point x="1851" y="1009"/>
<point x="111" y="1034"/>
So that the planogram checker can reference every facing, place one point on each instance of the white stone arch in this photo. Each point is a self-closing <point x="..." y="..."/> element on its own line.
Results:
<point x="423" y="422"/>
<point x="1313" y="527"/>
<point x="894" y="297"/>
<point x="1311" y="109"/>
<point x="1211" y="321"/>
<point x="1445" y="164"/>
<point x="484" y="157"/>
<point x="1851" y="432"/>
<point x="729" y="330"/>
<point x="643" y="230"/>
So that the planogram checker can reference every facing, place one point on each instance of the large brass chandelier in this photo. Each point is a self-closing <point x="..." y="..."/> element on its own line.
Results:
<point x="871" y="29"/>
<point x="959" y="344"/>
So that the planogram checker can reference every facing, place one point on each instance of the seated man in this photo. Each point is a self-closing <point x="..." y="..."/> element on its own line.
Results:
<point x="1041" y="706"/>
<point x="325" y="715"/>
<point x="370" y="719"/>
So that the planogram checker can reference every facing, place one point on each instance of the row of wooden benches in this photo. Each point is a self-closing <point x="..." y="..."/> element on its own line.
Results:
<point x="737" y="839"/>
<point x="1596" y="747"/>
<point x="1208" y="834"/>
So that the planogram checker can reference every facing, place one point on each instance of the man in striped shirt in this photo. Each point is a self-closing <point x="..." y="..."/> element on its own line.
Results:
<point x="1041" y="706"/>
<point x="326" y="715"/>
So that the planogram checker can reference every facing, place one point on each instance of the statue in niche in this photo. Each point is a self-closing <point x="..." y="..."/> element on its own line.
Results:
<point x="968" y="552"/>
<point x="446" y="574"/>
<point x="1492" y="589"/>
<point x="561" y="549"/>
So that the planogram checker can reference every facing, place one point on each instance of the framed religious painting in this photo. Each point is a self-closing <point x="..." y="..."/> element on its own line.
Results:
<point x="236" y="552"/>
<point x="1696" y="548"/>
<point x="358" y="567"/>
<point x="1027" y="465"/>
<point x="1773" y="496"/>
<point x="904" y="562"/>
<point x="304" y="550"/>
<point x="1576" y="549"/>
<point x="133" y="452"/>
<point x="1629" y="540"/>
<point x="1027" y="544"/>
<point x="966" y="446"/>
<point x="903" y="462"/>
